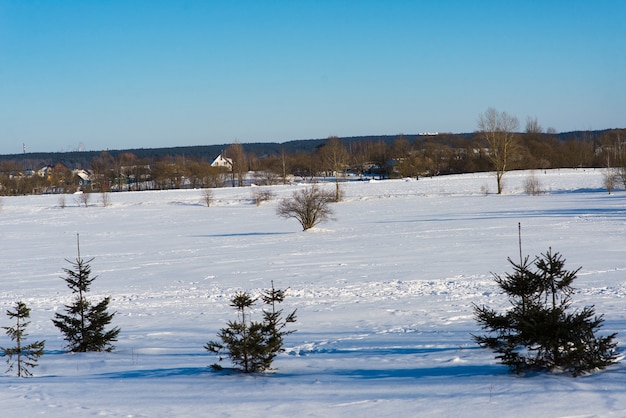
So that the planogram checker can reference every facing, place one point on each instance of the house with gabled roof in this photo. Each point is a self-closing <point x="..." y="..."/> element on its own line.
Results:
<point x="221" y="161"/>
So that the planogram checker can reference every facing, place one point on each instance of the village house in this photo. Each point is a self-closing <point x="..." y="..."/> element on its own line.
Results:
<point x="221" y="161"/>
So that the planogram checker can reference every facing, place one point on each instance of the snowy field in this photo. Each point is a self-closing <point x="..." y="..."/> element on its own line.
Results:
<point x="384" y="296"/>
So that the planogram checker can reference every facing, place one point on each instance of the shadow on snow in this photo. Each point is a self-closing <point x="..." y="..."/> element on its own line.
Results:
<point x="242" y="234"/>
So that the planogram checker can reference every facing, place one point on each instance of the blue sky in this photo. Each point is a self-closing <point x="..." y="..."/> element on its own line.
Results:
<point x="157" y="73"/>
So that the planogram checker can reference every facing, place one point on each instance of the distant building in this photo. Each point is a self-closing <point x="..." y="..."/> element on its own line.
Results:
<point x="221" y="161"/>
<point x="45" y="171"/>
<point x="84" y="177"/>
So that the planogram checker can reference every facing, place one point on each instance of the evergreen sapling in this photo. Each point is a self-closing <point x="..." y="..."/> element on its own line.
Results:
<point x="252" y="345"/>
<point x="84" y="323"/>
<point x="541" y="331"/>
<point x="24" y="356"/>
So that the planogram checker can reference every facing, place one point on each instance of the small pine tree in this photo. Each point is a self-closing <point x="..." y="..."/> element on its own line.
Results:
<point x="540" y="331"/>
<point x="252" y="345"/>
<point x="274" y="321"/>
<point x="84" y="323"/>
<point x="26" y="356"/>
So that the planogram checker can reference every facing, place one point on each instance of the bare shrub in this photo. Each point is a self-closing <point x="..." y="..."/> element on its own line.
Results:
<point x="262" y="195"/>
<point x="610" y="181"/>
<point x="82" y="198"/>
<point x="532" y="185"/>
<point x="308" y="206"/>
<point x="62" y="202"/>
<point x="105" y="198"/>
<point x="622" y="174"/>
<point x="207" y="197"/>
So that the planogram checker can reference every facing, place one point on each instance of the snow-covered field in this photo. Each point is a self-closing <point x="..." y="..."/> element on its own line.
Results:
<point x="384" y="296"/>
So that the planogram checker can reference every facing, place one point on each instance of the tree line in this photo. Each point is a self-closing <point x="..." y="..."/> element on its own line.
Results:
<point x="497" y="145"/>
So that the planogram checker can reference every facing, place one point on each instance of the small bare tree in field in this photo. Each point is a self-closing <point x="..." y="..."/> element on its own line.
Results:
<point x="532" y="185"/>
<point x="308" y="206"/>
<point x="610" y="180"/>
<point x="207" y="197"/>
<point x="334" y="156"/>
<point x="105" y="198"/>
<point x="82" y="198"/>
<point x="260" y="195"/>
<point x="610" y="176"/>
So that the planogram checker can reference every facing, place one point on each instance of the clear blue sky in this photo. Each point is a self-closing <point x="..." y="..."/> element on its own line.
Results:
<point x="113" y="74"/>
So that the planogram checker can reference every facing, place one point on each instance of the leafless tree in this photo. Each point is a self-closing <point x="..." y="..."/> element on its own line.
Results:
<point x="308" y="206"/>
<point x="207" y="197"/>
<point x="103" y="168"/>
<point x="105" y="198"/>
<point x="532" y="185"/>
<point x="239" y="162"/>
<point x="334" y="155"/>
<point x="83" y="198"/>
<point x="260" y="195"/>
<point x="497" y="129"/>
<point x="610" y="178"/>
<point x="619" y="150"/>
<point x="283" y="165"/>
<point x="359" y="155"/>
<point x="533" y="127"/>
<point x="380" y="156"/>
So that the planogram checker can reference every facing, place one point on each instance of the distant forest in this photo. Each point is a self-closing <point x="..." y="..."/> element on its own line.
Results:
<point x="384" y="156"/>
<point x="83" y="159"/>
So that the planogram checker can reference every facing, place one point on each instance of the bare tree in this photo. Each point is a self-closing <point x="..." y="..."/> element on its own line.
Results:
<point x="532" y="185"/>
<point x="105" y="198"/>
<point x="618" y="149"/>
<point x="207" y="197"/>
<point x="497" y="129"/>
<point x="124" y="165"/>
<point x="380" y="156"/>
<point x="283" y="165"/>
<point x="533" y="127"/>
<point x="359" y="155"/>
<point x="610" y="177"/>
<point x="334" y="155"/>
<point x="103" y="168"/>
<point x="260" y="195"/>
<point x="83" y="198"/>
<point x="239" y="162"/>
<point x="308" y="206"/>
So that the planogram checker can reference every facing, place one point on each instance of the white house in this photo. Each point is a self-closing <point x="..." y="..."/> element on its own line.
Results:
<point x="222" y="162"/>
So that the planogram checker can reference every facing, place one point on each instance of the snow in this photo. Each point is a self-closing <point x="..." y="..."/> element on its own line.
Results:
<point x="384" y="296"/>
